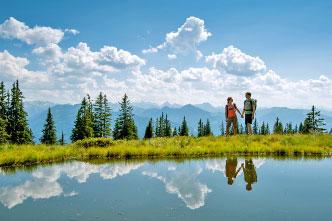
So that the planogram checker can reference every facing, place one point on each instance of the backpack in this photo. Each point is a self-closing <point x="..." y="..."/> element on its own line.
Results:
<point x="253" y="103"/>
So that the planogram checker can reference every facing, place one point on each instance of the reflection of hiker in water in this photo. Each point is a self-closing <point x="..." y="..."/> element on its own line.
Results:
<point x="231" y="172"/>
<point x="250" y="175"/>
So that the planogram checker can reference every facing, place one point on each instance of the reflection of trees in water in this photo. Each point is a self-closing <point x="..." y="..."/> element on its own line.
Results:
<point x="45" y="181"/>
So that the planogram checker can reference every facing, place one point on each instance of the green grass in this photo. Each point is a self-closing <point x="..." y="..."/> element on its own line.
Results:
<point x="177" y="147"/>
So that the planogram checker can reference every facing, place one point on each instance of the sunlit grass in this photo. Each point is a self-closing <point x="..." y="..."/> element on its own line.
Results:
<point x="177" y="147"/>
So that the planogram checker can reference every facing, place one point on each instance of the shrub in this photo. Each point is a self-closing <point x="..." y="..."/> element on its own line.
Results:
<point x="94" y="142"/>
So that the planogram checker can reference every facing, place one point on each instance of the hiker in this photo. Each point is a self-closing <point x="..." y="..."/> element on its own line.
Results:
<point x="230" y="114"/>
<point x="230" y="170"/>
<point x="250" y="175"/>
<point x="249" y="109"/>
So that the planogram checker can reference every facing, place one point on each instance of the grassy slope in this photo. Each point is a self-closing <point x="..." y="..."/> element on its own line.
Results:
<point x="271" y="145"/>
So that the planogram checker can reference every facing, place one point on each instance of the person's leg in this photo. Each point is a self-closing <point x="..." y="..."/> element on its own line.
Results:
<point x="249" y="129"/>
<point x="235" y="126"/>
<point x="228" y="124"/>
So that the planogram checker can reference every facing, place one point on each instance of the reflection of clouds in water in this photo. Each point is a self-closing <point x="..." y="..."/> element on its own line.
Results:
<point x="36" y="189"/>
<point x="220" y="164"/>
<point x="183" y="182"/>
<point x="44" y="183"/>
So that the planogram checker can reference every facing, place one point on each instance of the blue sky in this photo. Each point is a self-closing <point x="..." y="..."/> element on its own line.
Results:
<point x="293" y="38"/>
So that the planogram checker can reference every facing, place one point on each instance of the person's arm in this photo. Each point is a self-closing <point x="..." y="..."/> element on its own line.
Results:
<point x="226" y="112"/>
<point x="253" y="111"/>
<point x="237" y="109"/>
<point x="237" y="172"/>
<point x="243" y="112"/>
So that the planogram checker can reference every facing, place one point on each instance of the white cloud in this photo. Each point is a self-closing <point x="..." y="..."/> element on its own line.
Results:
<point x="185" y="39"/>
<point x="12" y="68"/>
<point x="72" y="31"/>
<point x="14" y="29"/>
<point x="233" y="61"/>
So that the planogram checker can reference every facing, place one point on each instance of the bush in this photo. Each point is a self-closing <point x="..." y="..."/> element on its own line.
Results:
<point x="94" y="142"/>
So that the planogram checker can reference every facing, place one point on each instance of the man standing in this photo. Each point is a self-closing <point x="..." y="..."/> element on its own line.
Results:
<point x="248" y="112"/>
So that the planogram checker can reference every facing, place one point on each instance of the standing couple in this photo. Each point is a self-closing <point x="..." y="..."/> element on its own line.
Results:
<point x="249" y="109"/>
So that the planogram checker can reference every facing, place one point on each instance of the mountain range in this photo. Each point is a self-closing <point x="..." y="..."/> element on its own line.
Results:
<point x="64" y="116"/>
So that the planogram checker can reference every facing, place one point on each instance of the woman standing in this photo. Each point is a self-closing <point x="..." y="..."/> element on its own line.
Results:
<point x="230" y="114"/>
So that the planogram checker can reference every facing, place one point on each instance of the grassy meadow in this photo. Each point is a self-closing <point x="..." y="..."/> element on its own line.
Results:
<point x="175" y="147"/>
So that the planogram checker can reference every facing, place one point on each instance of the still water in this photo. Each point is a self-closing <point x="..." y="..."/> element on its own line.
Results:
<point x="211" y="189"/>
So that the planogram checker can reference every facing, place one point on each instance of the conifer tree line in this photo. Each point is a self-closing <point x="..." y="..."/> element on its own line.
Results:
<point x="93" y="119"/>
<point x="204" y="129"/>
<point x="163" y="128"/>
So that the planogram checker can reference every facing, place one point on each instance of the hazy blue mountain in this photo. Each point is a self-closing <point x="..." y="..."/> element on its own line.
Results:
<point x="64" y="115"/>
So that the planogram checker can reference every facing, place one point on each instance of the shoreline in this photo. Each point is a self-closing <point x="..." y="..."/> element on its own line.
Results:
<point x="169" y="148"/>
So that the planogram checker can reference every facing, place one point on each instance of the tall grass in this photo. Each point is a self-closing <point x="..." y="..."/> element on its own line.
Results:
<point x="176" y="147"/>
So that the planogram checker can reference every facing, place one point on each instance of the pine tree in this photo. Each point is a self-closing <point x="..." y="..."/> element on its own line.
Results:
<point x="289" y="128"/>
<point x="263" y="130"/>
<point x="62" y="139"/>
<point x="18" y="128"/>
<point x="149" y="130"/>
<point x="83" y="127"/>
<point x="184" y="128"/>
<point x="49" y="131"/>
<point x="313" y="123"/>
<point x="267" y="129"/>
<point x="300" y="128"/>
<point x="125" y="127"/>
<point x="3" y="115"/>
<point x="207" y="128"/>
<point x="222" y="128"/>
<point x="200" y="129"/>
<point x="168" y="127"/>
<point x="102" y="117"/>
<point x="278" y="128"/>
<point x="255" y="127"/>
<point x="296" y="129"/>
<point x="175" y="132"/>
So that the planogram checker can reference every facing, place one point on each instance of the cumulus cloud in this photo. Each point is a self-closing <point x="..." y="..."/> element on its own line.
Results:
<point x="14" y="29"/>
<point x="12" y="68"/>
<point x="185" y="39"/>
<point x="233" y="61"/>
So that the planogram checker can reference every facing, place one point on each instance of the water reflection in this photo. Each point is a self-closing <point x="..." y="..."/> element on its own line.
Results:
<point x="181" y="179"/>
<point x="45" y="184"/>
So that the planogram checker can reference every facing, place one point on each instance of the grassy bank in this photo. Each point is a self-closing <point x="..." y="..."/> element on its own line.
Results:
<point x="272" y="145"/>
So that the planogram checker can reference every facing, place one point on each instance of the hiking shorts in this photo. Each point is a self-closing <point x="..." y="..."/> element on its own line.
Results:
<point x="248" y="119"/>
<point x="230" y="121"/>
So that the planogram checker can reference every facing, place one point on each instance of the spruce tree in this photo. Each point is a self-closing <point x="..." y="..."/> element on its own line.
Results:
<point x="175" y="132"/>
<point x="207" y="128"/>
<point x="125" y="127"/>
<point x="200" y="129"/>
<point x="18" y="128"/>
<point x="62" y="139"/>
<point x="49" y="131"/>
<point x="255" y="127"/>
<point x="262" y="130"/>
<point x="222" y="128"/>
<point x="149" y="130"/>
<point x="102" y="117"/>
<point x="296" y="129"/>
<point x="184" y="128"/>
<point x="300" y="130"/>
<point x="313" y="123"/>
<point x="267" y="129"/>
<point x="3" y="115"/>
<point x="83" y="126"/>
<point x="278" y="128"/>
